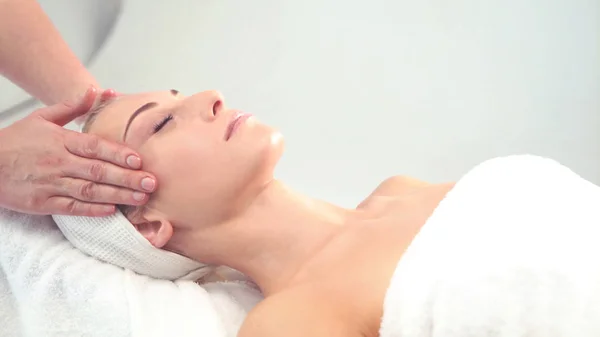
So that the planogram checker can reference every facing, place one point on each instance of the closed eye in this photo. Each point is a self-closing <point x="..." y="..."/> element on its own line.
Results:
<point x="158" y="126"/>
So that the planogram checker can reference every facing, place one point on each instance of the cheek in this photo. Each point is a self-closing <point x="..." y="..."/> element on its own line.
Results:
<point x="176" y="153"/>
<point x="187" y="163"/>
<point x="198" y="178"/>
<point x="193" y="177"/>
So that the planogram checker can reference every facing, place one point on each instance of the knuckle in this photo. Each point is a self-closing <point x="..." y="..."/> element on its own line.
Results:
<point x="45" y="180"/>
<point x="34" y="202"/>
<point x="87" y="190"/>
<point x="51" y="160"/>
<point x="71" y="206"/>
<point x="91" y="146"/>
<point x="97" y="171"/>
<point x="70" y="139"/>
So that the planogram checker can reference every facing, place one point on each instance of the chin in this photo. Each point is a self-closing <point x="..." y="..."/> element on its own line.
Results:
<point x="267" y="155"/>
<point x="277" y="143"/>
<point x="272" y="149"/>
<point x="260" y="149"/>
<point x="256" y="169"/>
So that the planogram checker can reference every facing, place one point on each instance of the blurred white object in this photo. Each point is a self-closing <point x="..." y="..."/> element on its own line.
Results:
<point x="85" y="25"/>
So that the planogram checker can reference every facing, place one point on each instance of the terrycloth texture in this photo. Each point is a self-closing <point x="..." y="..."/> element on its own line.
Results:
<point x="49" y="288"/>
<point x="113" y="239"/>
<point x="513" y="250"/>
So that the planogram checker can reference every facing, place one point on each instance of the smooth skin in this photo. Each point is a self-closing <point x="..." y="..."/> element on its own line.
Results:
<point x="323" y="269"/>
<point x="340" y="291"/>
<point x="44" y="168"/>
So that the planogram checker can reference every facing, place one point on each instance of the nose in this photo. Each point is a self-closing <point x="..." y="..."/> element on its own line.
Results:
<point x="209" y="103"/>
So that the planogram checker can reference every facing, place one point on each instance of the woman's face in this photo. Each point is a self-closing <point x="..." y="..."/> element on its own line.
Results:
<point x="209" y="160"/>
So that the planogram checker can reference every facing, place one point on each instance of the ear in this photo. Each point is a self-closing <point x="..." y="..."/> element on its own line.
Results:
<point x="155" y="228"/>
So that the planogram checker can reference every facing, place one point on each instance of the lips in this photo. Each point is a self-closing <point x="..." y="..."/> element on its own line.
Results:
<point x="238" y="119"/>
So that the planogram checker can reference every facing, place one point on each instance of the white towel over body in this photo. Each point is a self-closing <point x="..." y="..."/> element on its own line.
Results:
<point x="513" y="250"/>
<point x="48" y="288"/>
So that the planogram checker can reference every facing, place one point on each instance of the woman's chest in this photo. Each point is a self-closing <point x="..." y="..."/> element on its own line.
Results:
<point x="356" y="285"/>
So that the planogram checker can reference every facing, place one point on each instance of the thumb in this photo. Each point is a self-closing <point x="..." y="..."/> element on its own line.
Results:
<point x="63" y="113"/>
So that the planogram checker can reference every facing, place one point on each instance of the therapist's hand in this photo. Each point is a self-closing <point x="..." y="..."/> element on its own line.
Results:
<point x="46" y="169"/>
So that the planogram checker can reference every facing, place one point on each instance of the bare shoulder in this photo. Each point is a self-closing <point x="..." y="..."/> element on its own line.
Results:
<point x="265" y="320"/>
<point x="402" y="190"/>
<point x="292" y="314"/>
<point x="392" y="187"/>
<point x="399" y="184"/>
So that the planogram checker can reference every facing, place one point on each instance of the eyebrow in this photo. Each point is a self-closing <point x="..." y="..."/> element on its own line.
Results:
<point x="141" y="109"/>
<point x="136" y="113"/>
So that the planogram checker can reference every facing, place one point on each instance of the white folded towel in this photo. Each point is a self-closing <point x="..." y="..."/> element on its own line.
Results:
<point x="513" y="250"/>
<point x="113" y="239"/>
<point x="49" y="288"/>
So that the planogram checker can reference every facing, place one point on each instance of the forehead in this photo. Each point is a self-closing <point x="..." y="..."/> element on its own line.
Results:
<point x="111" y="121"/>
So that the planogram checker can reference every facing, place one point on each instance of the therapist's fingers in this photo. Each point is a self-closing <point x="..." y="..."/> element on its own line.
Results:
<point x="61" y="205"/>
<point x="94" y="147"/>
<point x="107" y="162"/>
<point x="107" y="173"/>
<point x="89" y="191"/>
<point x="63" y="113"/>
<point x="106" y="96"/>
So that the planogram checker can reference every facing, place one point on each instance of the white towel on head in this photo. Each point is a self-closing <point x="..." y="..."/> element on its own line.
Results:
<point x="512" y="251"/>
<point x="49" y="288"/>
<point x="113" y="239"/>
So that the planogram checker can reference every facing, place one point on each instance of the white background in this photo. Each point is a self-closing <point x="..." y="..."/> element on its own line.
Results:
<point x="363" y="90"/>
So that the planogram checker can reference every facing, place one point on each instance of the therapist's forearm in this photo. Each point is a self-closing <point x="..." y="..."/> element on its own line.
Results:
<point x="34" y="56"/>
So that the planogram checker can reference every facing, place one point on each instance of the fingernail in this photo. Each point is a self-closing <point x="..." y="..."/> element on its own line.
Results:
<point x="79" y="98"/>
<point x="134" y="162"/>
<point x="148" y="184"/>
<point x="138" y="196"/>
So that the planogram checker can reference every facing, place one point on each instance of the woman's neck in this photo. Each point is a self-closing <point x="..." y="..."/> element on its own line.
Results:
<point x="273" y="239"/>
